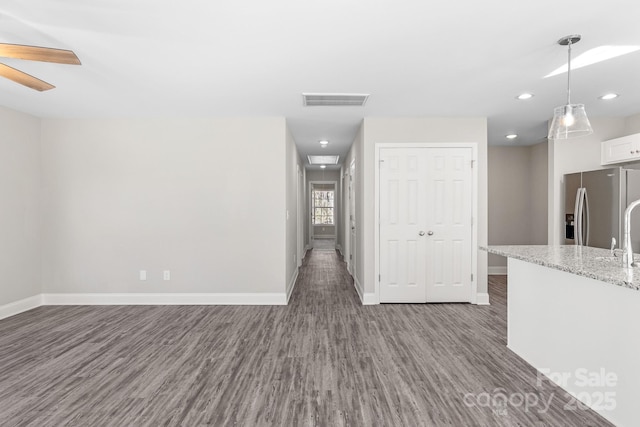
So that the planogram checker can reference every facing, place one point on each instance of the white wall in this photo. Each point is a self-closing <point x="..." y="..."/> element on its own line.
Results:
<point x="20" y="210"/>
<point x="294" y="164"/>
<point x="517" y="198"/>
<point x="632" y="125"/>
<point x="407" y="130"/>
<point x="154" y="194"/>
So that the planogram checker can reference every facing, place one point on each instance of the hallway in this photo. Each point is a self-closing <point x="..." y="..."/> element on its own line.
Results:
<point x="322" y="360"/>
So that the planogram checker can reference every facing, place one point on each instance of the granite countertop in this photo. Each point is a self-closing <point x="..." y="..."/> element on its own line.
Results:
<point x="594" y="263"/>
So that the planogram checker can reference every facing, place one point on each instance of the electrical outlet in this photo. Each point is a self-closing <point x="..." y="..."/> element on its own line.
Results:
<point x="143" y="274"/>
<point x="166" y="275"/>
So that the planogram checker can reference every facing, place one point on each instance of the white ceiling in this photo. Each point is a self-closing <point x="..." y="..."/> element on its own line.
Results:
<point x="255" y="58"/>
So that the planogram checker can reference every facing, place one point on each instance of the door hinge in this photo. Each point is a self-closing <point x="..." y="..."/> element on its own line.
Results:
<point x="472" y="277"/>
<point x="379" y="278"/>
<point x="472" y="163"/>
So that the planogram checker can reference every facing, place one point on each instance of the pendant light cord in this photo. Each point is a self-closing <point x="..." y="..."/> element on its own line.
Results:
<point x="569" y="75"/>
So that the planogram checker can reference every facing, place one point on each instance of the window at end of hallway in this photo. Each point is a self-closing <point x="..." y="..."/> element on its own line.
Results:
<point x="322" y="207"/>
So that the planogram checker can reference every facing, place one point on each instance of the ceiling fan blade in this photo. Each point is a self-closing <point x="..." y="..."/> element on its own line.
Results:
<point x="36" y="53"/>
<point x="24" y="78"/>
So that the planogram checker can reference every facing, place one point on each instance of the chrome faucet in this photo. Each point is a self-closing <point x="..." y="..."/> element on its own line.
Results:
<point x="627" y="254"/>
<point x="613" y="246"/>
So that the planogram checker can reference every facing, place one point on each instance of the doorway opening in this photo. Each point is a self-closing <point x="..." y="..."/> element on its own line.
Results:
<point x="323" y="218"/>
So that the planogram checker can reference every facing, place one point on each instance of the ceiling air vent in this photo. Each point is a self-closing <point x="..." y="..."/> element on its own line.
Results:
<point x="334" y="99"/>
<point x="323" y="160"/>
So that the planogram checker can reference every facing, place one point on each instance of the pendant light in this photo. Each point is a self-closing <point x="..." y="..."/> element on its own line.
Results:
<point x="570" y="120"/>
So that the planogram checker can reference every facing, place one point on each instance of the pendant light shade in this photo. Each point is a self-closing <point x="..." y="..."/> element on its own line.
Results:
<point x="570" y="120"/>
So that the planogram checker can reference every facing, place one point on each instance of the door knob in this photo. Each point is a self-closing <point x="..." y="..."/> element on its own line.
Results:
<point x="421" y="233"/>
<point x="430" y="233"/>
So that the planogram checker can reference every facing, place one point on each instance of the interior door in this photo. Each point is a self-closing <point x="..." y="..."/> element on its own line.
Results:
<point x="352" y="219"/>
<point x="300" y="216"/>
<point x="426" y="212"/>
<point x="402" y="220"/>
<point x="448" y="221"/>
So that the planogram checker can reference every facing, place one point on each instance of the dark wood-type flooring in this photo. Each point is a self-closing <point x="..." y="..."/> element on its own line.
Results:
<point x="322" y="360"/>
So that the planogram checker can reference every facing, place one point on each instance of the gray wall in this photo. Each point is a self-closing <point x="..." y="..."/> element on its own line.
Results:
<point x="20" y="209"/>
<point x="539" y="193"/>
<point x="178" y="194"/>
<point x="517" y="197"/>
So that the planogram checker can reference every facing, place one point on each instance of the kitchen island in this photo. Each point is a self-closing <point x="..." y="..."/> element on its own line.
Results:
<point x="574" y="314"/>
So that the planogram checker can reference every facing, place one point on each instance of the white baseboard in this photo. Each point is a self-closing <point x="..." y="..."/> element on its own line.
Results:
<point x="370" y="299"/>
<point x="165" y="299"/>
<point x="501" y="270"/>
<point x="20" y="306"/>
<point x="291" y="285"/>
<point x="482" y="299"/>
<point x="367" y="298"/>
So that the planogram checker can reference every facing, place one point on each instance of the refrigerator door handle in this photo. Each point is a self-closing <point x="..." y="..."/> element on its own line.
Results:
<point x="577" y="217"/>
<point x="585" y="211"/>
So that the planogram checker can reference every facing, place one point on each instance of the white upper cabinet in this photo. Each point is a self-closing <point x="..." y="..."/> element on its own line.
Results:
<point x="621" y="150"/>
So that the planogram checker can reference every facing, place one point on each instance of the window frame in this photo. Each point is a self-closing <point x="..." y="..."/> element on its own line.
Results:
<point x="325" y="209"/>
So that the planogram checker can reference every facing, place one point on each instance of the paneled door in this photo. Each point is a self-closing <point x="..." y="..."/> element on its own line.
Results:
<point x="425" y="224"/>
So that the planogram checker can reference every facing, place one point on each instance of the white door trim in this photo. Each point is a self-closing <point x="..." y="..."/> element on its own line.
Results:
<point x="474" y="209"/>
<point x="310" y="205"/>
<point x="300" y="215"/>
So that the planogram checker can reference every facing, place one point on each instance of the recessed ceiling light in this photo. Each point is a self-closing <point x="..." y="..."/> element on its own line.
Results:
<point x="324" y="143"/>
<point x="511" y="136"/>
<point x="525" y="96"/>
<point x="593" y="56"/>
<point x="609" y="96"/>
<point x="323" y="166"/>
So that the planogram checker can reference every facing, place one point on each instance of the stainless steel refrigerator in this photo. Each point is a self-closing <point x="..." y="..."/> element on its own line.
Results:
<point x="594" y="207"/>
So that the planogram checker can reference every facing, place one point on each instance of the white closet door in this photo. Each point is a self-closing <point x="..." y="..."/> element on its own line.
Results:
<point x="425" y="224"/>
<point x="402" y="213"/>
<point x="449" y="214"/>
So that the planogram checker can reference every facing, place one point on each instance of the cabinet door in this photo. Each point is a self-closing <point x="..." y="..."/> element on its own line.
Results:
<point x="620" y="150"/>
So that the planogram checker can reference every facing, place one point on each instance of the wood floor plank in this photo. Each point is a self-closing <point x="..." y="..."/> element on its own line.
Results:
<point x="323" y="360"/>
